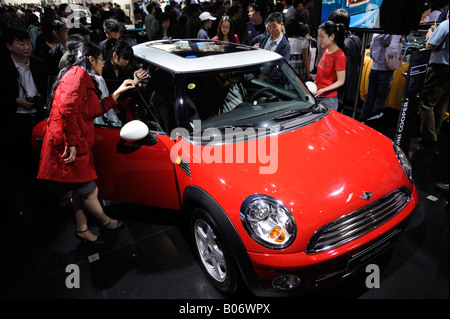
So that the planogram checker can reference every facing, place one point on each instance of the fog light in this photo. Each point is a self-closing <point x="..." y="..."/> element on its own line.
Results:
<point x="286" y="282"/>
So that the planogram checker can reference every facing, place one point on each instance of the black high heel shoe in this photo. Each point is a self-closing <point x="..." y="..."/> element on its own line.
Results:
<point x="118" y="226"/>
<point x="98" y="241"/>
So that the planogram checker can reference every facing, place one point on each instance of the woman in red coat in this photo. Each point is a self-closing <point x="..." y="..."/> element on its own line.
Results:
<point x="66" y="158"/>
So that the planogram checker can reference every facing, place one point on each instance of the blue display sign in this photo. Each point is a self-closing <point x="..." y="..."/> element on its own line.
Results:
<point x="364" y="14"/>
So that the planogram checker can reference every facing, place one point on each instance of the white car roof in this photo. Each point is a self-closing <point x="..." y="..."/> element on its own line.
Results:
<point x="194" y="55"/>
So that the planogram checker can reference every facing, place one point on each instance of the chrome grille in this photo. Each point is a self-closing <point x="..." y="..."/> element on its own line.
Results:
<point x="359" y="222"/>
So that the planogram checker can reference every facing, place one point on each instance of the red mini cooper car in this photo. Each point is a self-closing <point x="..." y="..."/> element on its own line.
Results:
<point x="281" y="193"/>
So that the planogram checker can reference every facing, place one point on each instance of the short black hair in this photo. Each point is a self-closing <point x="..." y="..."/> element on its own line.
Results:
<point x="111" y="25"/>
<point x="275" y="16"/>
<point x="340" y="16"/>
<point x="12" y="34"/>
<point x="293" y="29"/>
<point x="233" y="10"/>
<point x="83" y="30"/>
<point x="254" y="6"/>
<point x="123" y="50"/>
<point x="73" y="40"/>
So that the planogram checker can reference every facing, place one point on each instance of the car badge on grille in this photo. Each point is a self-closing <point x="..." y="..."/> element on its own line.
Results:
<point x="366" y="195"/>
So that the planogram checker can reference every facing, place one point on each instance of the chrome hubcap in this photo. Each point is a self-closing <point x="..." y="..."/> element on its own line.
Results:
<point x="211" y="255"/>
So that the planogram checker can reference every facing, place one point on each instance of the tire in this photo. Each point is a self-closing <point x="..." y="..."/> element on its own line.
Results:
<point x="215" y="257"/>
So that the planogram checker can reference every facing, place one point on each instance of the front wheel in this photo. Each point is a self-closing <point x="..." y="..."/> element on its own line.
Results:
<point x="216" y="259"/>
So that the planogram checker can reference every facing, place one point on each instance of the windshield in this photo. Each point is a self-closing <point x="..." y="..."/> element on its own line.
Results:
<point x="257" y="96"/>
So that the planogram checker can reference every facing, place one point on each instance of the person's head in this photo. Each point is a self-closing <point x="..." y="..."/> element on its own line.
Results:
<point x="87" y="55"/>
<point x="234" y="12"/>
<point x="193" y="10"/>
<point x="164" y="21"/>
<point x="93" y="9"/>
<point x="275" y="24"/>
<point x="301" y="15"/>
<point x="308" y="4"/>
<point x="73" y="40"/>
<point x="298" y="4"/>
<point x="293" y="29"/>
<point x="120" y="15"/>
<point x="55" y="31"/>
<point x="122" y="54"/>
<point x="331" y="33"/>
<point x="63" y="11"/>
<point x="254" y="13"/>
<point x="33" y="19"/>
<point x="18" y="42"/>
<point x="340" y="16"/>
<point x="84" y="54"/>
<point x="425" y="11"/>
<point x="111" y="28"/>
<point x="224" y="28"/>
<point x="81" y="30"/>
<point x="206" y="20"/>
<point x="151" y="7"/>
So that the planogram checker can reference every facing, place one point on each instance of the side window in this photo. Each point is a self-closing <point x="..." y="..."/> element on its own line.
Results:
<point x="160" y="98"/>
<point x="204" y="94"/>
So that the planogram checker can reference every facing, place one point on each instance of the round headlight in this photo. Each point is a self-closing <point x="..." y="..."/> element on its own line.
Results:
<point x="268" y="221"/>
<point x="404" y="163"/>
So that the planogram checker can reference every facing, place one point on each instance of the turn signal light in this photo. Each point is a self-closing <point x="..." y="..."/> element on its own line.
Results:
<point x="277" y="234"/>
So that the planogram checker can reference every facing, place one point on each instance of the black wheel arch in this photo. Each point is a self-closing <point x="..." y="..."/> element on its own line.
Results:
<point x="196" y="197"/>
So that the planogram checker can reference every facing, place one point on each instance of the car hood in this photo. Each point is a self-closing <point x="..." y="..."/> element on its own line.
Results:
<point x="319" y="171"/>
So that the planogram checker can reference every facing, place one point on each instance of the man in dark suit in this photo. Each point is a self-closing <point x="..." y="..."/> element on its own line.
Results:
<point x="24" y="79"/>
<point x="276" y="41"/>
<point x="23" y="88"/>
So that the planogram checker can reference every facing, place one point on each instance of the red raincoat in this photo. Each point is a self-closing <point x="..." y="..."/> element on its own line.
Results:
<point x="75" y="106"/>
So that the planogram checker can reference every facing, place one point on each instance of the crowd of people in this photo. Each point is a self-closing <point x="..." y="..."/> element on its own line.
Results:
<point x="41" y="43"/>
<point x="233" y="21"/>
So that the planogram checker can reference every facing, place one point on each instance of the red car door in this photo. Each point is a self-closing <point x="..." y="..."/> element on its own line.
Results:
<point x="134" y="172"/>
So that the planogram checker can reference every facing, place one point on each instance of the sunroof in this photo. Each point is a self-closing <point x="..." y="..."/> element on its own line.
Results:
<point x="197" y="48"/>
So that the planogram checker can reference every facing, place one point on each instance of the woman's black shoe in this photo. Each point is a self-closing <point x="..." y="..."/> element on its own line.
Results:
<point x="98" y="241"/>
<point x="118" y="226"/>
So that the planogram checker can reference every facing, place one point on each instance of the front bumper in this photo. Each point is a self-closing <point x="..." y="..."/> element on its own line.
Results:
<point x="316" y="270"/>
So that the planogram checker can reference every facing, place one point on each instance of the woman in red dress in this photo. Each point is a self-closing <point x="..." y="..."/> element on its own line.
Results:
<point x="66" y="162"/>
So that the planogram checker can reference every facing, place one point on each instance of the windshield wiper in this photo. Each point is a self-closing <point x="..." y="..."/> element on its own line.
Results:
<point x="234" y="126"/>
<point x="295" y="113"/>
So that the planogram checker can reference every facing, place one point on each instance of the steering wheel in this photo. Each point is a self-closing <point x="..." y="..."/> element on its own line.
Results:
<point x="267" y="89"/>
